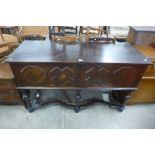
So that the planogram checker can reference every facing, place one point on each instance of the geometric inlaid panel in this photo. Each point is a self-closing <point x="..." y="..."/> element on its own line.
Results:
<point x="111" y="75"/>
<point x="78" y="75"/>
<point x="96" y="74"/>
<point x="124" y="76"/>
<point x="64" y="76"/>
<point x="33" y="75"/>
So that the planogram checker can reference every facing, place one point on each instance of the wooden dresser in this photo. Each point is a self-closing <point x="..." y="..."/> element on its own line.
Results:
<point x="8" y="92"/>
<point x="116" y="68"/>
<point x="146" y="87"/>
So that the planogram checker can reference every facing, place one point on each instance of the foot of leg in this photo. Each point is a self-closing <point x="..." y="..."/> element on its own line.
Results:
<point x="76" y="109"/>
<point x="37" y="97"/>
<point x="30" y="109"/>
<point x="120" y="108"/>
<point x="77" y="98"/>
<point x="25" y="95"/>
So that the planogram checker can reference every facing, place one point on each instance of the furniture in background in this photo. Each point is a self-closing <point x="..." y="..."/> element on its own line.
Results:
<point x="101" y="40"/>
<point x="4" y="47"/>
<point x="120" y="33"/>
<point x="91" y="31"/>
<point x="9" y="29"/>
<point x="4" y="50"/>
<point x="7" y="44"/>
<point x="8" y="92"/>
<point x="143" y="38"/>
<point x="146" y="87"/>
<point x="32" y="32"/>
<point x="113" y="68"/>
<point x="71" y="30"/>
<point x="141" y="35"/>
<point x="67" y="39"/>
<point x="58" y="32"/>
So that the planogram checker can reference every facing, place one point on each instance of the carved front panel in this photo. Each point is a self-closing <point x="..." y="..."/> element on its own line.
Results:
<point x="33" y="75"/>
<point x="94" y="75"/>
<point x="45" y="75"/>
<point x="62" y="76"/>
<point x="78" y="75"/>
<point x="110" y="75"/>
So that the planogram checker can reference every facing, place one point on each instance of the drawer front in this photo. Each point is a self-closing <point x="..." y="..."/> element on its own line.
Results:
<point x="7" y="87"/>
<point x="78" y="75"/>
<point x="45" y="75"/>
<point x="8" y="92"/>
<point x="9" y="84"/>
<point x="9" y="96"/>
<point x="149" y="75"/>
<point x="110" y="75"/>
<point x="10" y="99"/>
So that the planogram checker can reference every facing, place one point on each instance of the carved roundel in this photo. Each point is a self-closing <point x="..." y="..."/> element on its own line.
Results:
<point x="33" y="75"/>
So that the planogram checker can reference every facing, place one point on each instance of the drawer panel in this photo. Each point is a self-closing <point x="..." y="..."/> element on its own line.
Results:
<point x="151" y="68"/>
<point x="7" y="87"/>
<point x="110" y="75"/>
<point x="8" y="91"/>
<point x="7" y="84"/>
<point x="45" y="75"/>
<point x="78" y="75"/>
<point x="10" y="99"/>
<point x="149" y="74"/>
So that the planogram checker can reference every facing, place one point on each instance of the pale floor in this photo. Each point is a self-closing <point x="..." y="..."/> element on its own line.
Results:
<point x="93" y="117"/>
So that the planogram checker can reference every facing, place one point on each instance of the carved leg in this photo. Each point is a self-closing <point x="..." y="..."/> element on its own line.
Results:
<point x="118" y="98"/>
<point x="120" y="95"/>
<point x="25" y="95"/>
<point x="77" y="98"/>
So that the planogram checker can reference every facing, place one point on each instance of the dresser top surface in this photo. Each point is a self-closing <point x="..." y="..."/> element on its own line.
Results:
<point x="49" y="52"/>
<point x="144" y="28"/>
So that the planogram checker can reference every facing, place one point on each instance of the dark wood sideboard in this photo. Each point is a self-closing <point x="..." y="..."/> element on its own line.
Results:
<point x="116" y="68"/>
